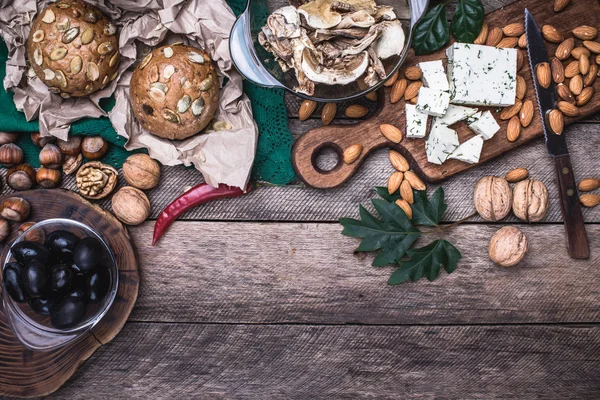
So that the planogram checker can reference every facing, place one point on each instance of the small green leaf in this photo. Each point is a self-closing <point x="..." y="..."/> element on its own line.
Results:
<point x="467" y="20"/>
<point x="432" y="32"/>
<point x="428" y="212"/>
<point x="383" y="193"/>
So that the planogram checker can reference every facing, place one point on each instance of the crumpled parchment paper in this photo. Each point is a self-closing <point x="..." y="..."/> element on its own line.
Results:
<point x="223" y="156"/>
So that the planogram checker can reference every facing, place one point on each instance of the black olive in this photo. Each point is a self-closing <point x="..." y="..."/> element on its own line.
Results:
<point x="98" y="284"/>
<point x="26" y="250"/>
<point x="76" y="293"/>
<point x="88" y="254"/>
<point x="67" y="313"/>
<point x="35" y="277"/>
<point x="60" y="277"/>
<point x="62" y="243"/>
<point x="42" y="305"/>
<point x="13" y="281"/>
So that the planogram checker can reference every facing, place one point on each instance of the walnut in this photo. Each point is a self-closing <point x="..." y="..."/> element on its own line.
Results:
<point x="493" y="198"/>
<point x="141" y="171"/>
<point x="508" y="246"/>
<point x="96" y="180"/>
<point x="530" y="200"/>
<point x="131" y="205"/>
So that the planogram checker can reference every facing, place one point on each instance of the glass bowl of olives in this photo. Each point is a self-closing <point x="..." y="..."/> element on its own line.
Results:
<point x="59" y="279"/>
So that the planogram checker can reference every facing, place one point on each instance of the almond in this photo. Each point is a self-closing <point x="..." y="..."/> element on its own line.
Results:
<point x="392" y="80"/>
<point x="306" y="109"/>
<point x="412" y="91"/>
<point x="508" y="43"/>
<point x="576" y="84"/>
<point x="394" y="181"/>
<point x="578" y="51"/>
<point x="522" y="43"/>
<point x="564" y="93"/>
<point x="372" y="96"/>
<point x="572" y="69"/>
<point x="588" y="184"/>
<point x="413" y="73"/>
<point x="558" y="71"/>
<point x="556" y="121"/>
<point x="598" y="59"/>
<point x="585" y="32"/>
<point x="494" y="37"/>
<point x="513" y="130"/>
<point x="328" y="113"/>
<point x="589" y="199"/>
<point x="516" y="175"/>
<point x="520" y="59"/>
<point x="356" y="111"/>
<point x="414" y="181"/>
<point x="398" y="90"/>
<point x="483" y="34"/>
<point x="588" y="80"/>
<point x="552" y="34"/>
<point x="511" y="111"/>
<point x="414" y="100"/>
<point x="406" y="192"/>
<point x="392" y="133"/>
<point x="514" y="29"/>
<point x="351" y="153"/>
<point x="398" y="161"/>
<point x="526" y="113"/>
<point x="585" y="96"/>
<point x="521" y="87"/>
<point x="543" y="74"/>
<point x="559" y="5"/>
<point x="568" y="109"/>
<point x="584" y="64"/>
<point x="403" y="204"/>
<point x="594" y="47"/>
<point x="564" y="49"/>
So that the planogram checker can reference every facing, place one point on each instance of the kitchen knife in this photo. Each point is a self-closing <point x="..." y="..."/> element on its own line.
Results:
<point x="577" y="240"/>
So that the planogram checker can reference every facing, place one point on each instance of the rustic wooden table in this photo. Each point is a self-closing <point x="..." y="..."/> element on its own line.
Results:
<point x="261" y="297"/>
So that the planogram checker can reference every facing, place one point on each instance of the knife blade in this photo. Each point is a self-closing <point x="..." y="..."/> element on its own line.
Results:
<point x="547" y="99"/>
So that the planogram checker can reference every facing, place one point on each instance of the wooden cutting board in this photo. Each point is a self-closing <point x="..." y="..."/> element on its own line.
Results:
<point x="366" y="133"/>
<point x="26" y="373"/>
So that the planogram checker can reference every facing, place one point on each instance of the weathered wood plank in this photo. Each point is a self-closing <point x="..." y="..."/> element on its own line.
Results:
<point x="306" y="273"/>
<point x="305" y="362"/>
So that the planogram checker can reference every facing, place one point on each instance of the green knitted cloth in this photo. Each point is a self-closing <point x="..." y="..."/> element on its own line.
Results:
<point x="272" y="162"/>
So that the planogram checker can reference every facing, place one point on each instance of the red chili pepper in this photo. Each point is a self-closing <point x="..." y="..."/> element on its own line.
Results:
<point x="197" y="195"/>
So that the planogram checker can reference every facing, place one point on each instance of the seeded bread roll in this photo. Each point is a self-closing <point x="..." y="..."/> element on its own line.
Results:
<point x="73" y="48"/>
<point x="175" y="91"/>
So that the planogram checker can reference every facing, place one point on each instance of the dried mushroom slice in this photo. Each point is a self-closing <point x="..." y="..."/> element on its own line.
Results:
<point x="357" y="19"/>
<point x="341" y="73"/>
<point x="319" y="14"/>
<point x="96" y="180"/>
<point x="391" y="40"/>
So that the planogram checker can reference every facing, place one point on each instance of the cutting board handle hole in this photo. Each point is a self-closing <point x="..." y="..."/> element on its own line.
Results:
<point x="327" y="157"/>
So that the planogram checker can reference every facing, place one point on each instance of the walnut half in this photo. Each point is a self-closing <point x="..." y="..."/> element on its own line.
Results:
<point x="96" y="180"/>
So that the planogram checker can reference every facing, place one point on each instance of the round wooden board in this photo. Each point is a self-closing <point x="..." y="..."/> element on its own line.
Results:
<point x="24" y="373"/>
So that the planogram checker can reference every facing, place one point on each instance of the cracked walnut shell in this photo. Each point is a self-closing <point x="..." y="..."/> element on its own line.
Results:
<point x="508" y="246"/>
<point x="493" y="198"/>
<point x="96" y="180"/>
<point x="530" y="200"/>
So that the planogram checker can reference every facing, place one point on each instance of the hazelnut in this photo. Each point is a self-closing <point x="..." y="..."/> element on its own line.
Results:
<point x="40" y="141"/>
<point x="72" y="146"/>
<point x="48" y="178"/>
<point x="96" y="180"/>
<point x="141" y="171"/>
<point x="493" y="198"/>
<point x="15" y="209"/>
<point x="94" y="147"/>
<point x="530" y="200"/>
<point x="8" y="137"/>
<point x="131" y="205"/>
<point x="10" y="155"/>
<point x="35" y="236"/>
<point x="51" y="156"/>
<point x="4" y="229"/>
<point x="72" y="163"/>
<point x="508" y="246"/>
<point x="21" y="177"/>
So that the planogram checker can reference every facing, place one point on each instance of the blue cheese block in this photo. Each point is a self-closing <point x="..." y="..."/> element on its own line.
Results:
<point x="416" y="122"/>
<point x="469" y="151"/>
<point x="434" y="75"/>
<point x="433" y="102"/>
<point x="482" y="75"/>
<point x="484" y="124"/>
<point x="442" y="141"/>
<point x="455" y="114"/>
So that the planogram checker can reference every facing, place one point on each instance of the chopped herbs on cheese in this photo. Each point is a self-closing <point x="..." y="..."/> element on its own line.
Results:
<point x="432" y="101"/>
<point x="434" y="75"/>
<point x="416" y="122"/>
<point x="484" y="124"/>
<point x="442" y="141"/>
<point x="469" y="151"/>
<point x="455" y="114"/>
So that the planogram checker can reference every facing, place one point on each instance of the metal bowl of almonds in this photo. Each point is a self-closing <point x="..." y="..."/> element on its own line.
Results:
<point x="324" y="50"/>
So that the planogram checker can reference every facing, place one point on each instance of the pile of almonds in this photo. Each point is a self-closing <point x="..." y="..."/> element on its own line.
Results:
<point x="589" y="185"/>
<point x="403" y="181"/>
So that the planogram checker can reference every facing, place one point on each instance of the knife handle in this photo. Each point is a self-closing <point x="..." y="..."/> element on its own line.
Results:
<point x="577" y="240"/>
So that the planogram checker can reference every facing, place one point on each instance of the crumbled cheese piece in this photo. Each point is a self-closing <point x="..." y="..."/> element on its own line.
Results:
<point x="482" y="75"/>
<point x="442" y="141"/>
<point x="416" y="122"/>
<point x="433" y="102"/>
<point x="455" y="114"/>
<point x="484" y="124"/>
<point x="433" y="75"/>
<point x="469" y="151"/>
